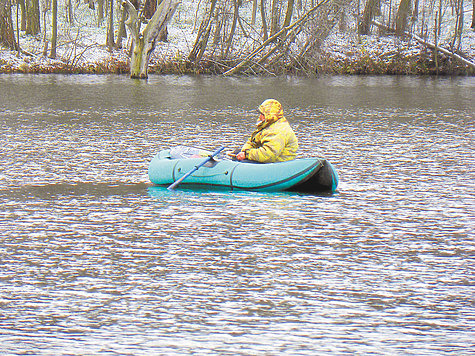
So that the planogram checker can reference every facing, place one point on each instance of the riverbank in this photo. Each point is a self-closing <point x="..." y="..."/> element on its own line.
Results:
<point x="342" y="53"/>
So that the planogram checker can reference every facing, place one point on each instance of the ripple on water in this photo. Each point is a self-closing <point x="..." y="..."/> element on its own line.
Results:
<point x="96" y="260"/>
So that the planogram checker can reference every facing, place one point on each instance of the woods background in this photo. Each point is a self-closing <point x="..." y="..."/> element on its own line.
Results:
<point x="256" y="37"/>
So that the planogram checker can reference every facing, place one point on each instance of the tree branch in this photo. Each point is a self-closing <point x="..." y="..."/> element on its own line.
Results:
<point x="133" y="21"/>
<point x="160" y="18"/>
<point x="246" y="60"/>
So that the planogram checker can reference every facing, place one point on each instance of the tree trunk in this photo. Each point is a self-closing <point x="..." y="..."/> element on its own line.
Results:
<point x="219" y="23"/>
<point x="229" y="40"/>
<point x="390" y="13"/>
<point x="288" y="15"/>
<point x="33" y="17"/>
<point x="254" y="13"/>
<point x="149" y="8"/>
<point x="122" y="31"/>
<point x="46" y="6"/>
<point x="203" y="35"/>
<point x="473" y="15"/>
<point x="110" y="26"/>
<point x="17" y="28"/>
<point x="275" y="17"/>
<point x="100" y="12"/>
<point x="263" y="19"/>
<point x="457" y="40"/>
<point x="144" y="42"/>
<point x="23" y="14"/>
<point x="372" y="9"/>
<point x="7" y="36"/>
<point x="402" y="15"/>
<point x="69" y="12"/>
<point x="415" y="11"/>
<point x="342" y="24"/>
<point x="54" y="28"/>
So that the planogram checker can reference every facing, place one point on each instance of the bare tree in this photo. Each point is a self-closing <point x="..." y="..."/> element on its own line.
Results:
<point x="54" y="28"/>
<point x="100" y="12"/>
<point x="402" y="16"/>
<point x="144" y="41"/>
<point x="149" y="8"/>
<point x="254" y="12"/>
<point x="274" y="42"/>
<point x="7" y="36"/>
<point x="69" y="12"/>
<point x="203" y="34"/>
<point x="122" y="31"/>
<point x="229" y="40"/>
<point x="275" y="16"/>
<point x="473" y="15"/>
<point x="263" y="19"/>
<point x="415" y="11"/>
<point x="45" y="7"/>
<point x="288" y="13"/>
<point x="23" y="14"/>
<point x="371" y="10"/>
<point x="33" y="17"/>
<point x="319" y="28"/>
<point x="110" y="26"/>
<point x="457" y="39"/>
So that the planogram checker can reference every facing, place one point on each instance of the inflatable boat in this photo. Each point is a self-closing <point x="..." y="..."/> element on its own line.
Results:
<point x="309" y="175"/>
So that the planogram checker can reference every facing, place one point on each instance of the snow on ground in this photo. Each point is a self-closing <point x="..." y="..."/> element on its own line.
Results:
<point x="82" y="46"/>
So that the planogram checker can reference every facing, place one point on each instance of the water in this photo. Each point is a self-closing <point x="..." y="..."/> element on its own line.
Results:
<point x="97" y="261"/>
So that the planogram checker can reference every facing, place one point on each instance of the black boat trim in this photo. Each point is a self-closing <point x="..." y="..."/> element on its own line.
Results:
<point x="173" y="171"/>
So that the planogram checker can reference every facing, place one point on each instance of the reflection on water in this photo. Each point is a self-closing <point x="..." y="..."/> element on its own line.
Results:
<point x="96" y="260"/>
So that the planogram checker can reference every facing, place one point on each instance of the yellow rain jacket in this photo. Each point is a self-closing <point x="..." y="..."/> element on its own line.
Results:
<point x="273" y="140"/>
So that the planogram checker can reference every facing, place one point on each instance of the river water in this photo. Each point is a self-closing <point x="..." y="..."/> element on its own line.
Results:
<point x="97" y="261"/>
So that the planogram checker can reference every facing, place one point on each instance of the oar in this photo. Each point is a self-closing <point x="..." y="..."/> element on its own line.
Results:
<point x="209" y="158"/>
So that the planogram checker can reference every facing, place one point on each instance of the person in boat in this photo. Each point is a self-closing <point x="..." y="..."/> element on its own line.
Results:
<point x="273" y="140"/>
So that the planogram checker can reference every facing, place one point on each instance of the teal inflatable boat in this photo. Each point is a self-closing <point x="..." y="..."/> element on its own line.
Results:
<point x="310" y="175"/>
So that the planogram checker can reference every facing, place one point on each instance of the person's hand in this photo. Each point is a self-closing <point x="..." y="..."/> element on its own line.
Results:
<point x="241" y="156"/>
<point x="231" y="154"/>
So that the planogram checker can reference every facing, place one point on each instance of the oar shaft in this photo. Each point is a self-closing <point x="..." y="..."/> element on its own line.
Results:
<point x="209" y="158"/>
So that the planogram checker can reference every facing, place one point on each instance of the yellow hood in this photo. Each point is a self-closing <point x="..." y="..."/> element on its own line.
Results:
<point x="272" y="111"/>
